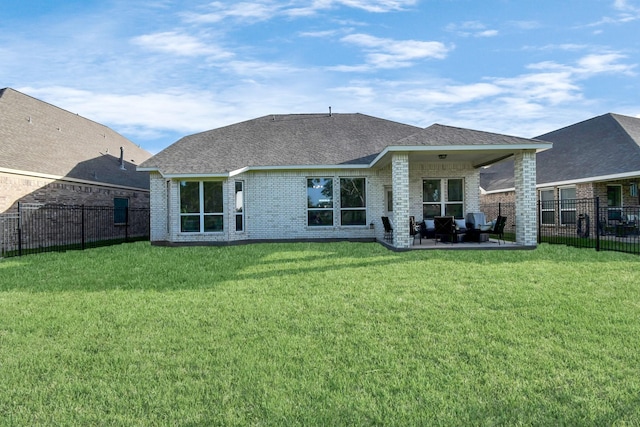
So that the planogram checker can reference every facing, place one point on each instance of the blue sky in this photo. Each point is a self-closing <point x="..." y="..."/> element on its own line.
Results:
<point x="158" y="70"/>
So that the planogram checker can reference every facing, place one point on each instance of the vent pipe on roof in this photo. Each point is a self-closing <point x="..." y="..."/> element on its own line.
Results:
<point x="122" y="158"/>
<point x="330" y="115"/>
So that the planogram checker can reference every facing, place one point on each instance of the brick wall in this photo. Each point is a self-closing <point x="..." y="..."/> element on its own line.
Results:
<point x="30" y="189"/>
<point x="275" y="205"/>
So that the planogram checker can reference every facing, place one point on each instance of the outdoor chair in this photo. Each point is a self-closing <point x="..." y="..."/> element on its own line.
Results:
<point x="388" y="229"/>
<point x="445" y="229"/>
<point x="477" y="227"/>
<point x="413" y="229"/>
<point x="498" y="228"/>
<point x="427" y="229"/>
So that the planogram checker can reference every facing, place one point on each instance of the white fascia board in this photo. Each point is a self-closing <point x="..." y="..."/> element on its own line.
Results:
<point x="67" y="179"/>
<point x="194" y="175"/>
<point x="297" y="167"/>
<point x="502" y="190"/>
<point x="260" y="168"/>
<point x="611" y="177"/>
<point x="183" y="175"/>
<point x="601" y="178"/>
<point x="446" y="148"/>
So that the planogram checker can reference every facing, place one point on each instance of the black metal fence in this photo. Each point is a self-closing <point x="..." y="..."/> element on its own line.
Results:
<point x="582" y="223"/>
<point x="46" y="228"/>
<point x="585" y="223"/>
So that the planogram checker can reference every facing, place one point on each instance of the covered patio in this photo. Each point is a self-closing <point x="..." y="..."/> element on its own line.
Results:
<point x="436" y="172"/>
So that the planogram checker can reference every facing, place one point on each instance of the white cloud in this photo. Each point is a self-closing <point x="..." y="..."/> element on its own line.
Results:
<point x="255" y="11"/>
<point x="604" y="63"/>
<point x="457" y="94"/>
<point x="378" y="5"/>
<point x="588" y="65"/>
<point x="268" y="9"/>
<point x="471" y="29"/>
<point x="179" y="44"/>
<point x="175" y="109"/>
<point x="626" y="12"/>
<point x="390" y="53"/>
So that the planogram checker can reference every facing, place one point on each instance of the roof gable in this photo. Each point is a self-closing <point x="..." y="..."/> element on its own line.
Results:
<point x="41" y="138"/>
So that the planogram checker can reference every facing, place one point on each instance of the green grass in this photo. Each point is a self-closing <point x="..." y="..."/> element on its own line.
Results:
<point x="319" y="334"/>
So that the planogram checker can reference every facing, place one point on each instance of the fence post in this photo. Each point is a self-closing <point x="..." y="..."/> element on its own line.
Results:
<point x="539" y="203"/>
<point x="19" y="230"/>
<point x="82" y="228"/>
<point x="597" y="203"/>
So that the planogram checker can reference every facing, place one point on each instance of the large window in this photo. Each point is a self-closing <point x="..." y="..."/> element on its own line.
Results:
<point x="201" y="206"/>
<point x="547" y="205"/>
<point x="443" y="197"/>
<point x="568" y="205"/>
<point x="320" y="201"/>
<point x="353" y="201"/>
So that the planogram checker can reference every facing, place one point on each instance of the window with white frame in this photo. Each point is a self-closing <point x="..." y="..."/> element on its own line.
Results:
<point x="320" y="202"/>
<point x="567" y="205"/>
<point x="353" y="201"/>
<point x="239" y="205"/>
<point x="547" y="207"/>
<point x="201" y="207"/>
<point x="443" y="196"/>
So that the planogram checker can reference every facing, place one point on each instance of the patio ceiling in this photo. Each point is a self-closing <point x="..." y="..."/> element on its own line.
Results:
<point x="476" y="156"/>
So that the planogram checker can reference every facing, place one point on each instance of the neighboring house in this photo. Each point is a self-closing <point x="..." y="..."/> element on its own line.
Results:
<point x="51" y="156"/>
<point x="599" y="157"/>
<point x="327" y="176"/>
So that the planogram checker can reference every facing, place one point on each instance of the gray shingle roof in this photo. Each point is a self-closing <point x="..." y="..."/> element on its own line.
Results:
<point x="438" y="135"/>
<point x="601" y="146"/>
<point x="39" y="137"/>
<point x="307" y="140"/>
<point x="276" y="140"/>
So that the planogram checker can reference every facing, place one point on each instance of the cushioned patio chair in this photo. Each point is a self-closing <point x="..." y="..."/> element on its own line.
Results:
<point x="427" y="229"/>
<point x="388" y="229"/>
<point x="477" y="227"/>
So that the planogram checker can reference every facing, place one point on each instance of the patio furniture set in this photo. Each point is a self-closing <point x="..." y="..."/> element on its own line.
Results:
<point x="474" y="228"/>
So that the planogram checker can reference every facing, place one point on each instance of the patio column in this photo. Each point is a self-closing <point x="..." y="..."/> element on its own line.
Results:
<point x="525" y="187"/>
<point x="400" y="178"/>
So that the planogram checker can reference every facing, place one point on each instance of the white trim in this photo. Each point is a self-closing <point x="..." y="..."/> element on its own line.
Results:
<point x="67" y="179"/>
<point x="503" y="190"/>
<point x="194" y="176"/>
<point x="601" y="178"/>
<point x="592" y="179"/>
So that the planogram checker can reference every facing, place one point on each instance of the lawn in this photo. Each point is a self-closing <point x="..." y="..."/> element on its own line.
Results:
<point x="319" y="334"/>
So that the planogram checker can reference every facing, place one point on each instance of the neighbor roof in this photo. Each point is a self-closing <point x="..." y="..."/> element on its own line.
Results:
<point x="310" y="140"/>
<point x="37" y="137"/>
<point x="595" y="149"/>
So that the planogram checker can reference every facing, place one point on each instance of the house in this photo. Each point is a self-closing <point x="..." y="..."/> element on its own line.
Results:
<point x="599" y="157"/>
<point x="52" y="156"/>
<point x="326" y="176"/>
